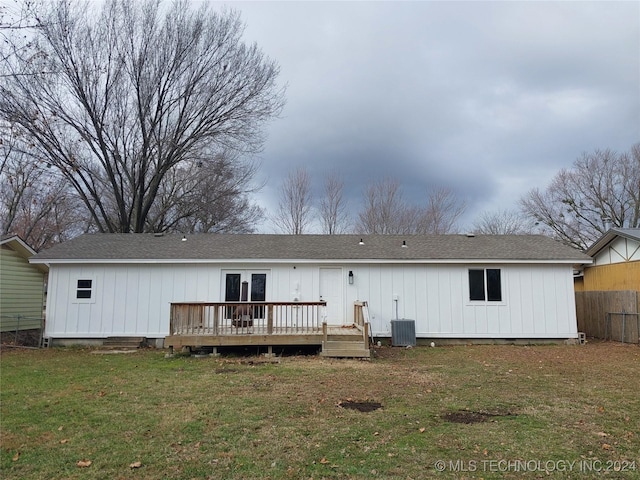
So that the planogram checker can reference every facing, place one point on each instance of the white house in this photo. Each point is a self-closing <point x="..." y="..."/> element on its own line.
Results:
<point x="453" y="286"/>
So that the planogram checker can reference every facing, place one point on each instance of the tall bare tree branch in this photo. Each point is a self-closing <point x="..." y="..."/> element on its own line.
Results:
<point x="294" y="207"/>
<point x="602" y="189"/>
<point x="138" y="91"/>
<point x="35" y="202"/>
<point x="333" y="210"/>
<point x="386" y="212"/>
<point x="503" y="222"/>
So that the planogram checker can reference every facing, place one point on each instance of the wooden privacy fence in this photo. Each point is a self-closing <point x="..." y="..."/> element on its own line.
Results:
<point x="609" y="315"/>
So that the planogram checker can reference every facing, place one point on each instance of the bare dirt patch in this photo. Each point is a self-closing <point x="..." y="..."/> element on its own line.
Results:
<point x="468" y="417"/>
<point x="366" y="406"/>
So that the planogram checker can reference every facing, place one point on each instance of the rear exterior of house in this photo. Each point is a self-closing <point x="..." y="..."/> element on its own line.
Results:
<point x="452" y="286"/>
<point x="21" y="286"/>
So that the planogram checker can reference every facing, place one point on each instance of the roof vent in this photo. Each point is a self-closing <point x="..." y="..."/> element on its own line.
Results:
<point x="471" y="235"/>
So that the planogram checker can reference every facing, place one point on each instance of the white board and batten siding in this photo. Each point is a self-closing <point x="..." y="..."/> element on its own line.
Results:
<point x="134" y="299"/>
<point x="537" y="301"/>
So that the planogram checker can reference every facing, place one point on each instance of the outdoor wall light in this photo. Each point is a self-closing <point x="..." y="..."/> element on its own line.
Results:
<point x="350" y="277"/>
<point x="404" y="244"/>
<point x="360" y="242"/>
<point x="184" y="238"/>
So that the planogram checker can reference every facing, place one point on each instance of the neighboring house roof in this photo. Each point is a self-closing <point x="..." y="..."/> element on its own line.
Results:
<point x="22" y="248"/>
<point x="604" y="240"/>
<point x="154" y="248"/>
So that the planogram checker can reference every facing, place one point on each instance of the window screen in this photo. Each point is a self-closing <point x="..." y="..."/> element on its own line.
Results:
<point x="494" y="287"/>
<point x="476" y="284"/>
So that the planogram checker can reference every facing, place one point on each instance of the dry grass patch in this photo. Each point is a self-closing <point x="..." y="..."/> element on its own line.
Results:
<point x="245" y="418"/>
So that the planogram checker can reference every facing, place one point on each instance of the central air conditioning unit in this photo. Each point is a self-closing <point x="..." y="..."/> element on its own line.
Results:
<point x="403" y="333"/>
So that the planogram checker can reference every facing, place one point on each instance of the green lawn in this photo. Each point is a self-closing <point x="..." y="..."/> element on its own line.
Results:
<point x="532" y="412"/>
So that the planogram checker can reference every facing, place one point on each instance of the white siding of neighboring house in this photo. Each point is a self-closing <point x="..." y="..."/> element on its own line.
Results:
<point x="620" y="250"/>
<point x="538" y="300"/>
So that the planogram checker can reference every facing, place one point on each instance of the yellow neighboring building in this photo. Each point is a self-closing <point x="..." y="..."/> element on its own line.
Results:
<point x="616" y="262"/>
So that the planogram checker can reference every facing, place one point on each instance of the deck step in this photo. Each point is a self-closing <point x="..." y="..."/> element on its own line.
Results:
<point x="124" y="342"/>
<point x="345" y="349"/>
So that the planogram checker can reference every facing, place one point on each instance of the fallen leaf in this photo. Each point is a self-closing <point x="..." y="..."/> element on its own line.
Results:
<point x="102" y="393"/>
<point x="422" y="430"/>
<point x="606" y="446"/>
<point x="135" y="465"/>
<point x="84" y="463"/>
<point x="324" y="460"/>
<point x="485" y="452"/>
<point x="64" y="440"/>
<point x="60" y="428"/>
<point x="601" y="409"/>
<point x="375" y="434"/>
<point x="16" y="457"/>
<point x="602" y="434"/>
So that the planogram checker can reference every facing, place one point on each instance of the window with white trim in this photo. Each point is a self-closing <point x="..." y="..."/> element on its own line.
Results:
<point x="485" y="284"/>
<point x="84" y="289"/>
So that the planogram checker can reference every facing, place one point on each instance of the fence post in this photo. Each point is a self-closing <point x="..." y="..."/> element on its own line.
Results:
<point x="15" y="338"/>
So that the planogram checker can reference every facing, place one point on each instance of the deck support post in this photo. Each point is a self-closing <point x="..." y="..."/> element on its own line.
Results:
<point x="215" y="352"/>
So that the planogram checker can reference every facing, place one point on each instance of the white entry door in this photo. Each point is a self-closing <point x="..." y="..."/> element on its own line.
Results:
<point x="332" y="292"/>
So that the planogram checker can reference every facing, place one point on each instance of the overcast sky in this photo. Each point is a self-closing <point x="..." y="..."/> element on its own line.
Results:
<point x="489" y="99"/>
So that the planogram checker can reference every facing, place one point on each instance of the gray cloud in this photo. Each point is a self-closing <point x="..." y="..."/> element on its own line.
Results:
<point x="487" y="98"/>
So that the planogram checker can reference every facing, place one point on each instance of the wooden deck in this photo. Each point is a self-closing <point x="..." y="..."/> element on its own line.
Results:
<point x="195" y="325"/>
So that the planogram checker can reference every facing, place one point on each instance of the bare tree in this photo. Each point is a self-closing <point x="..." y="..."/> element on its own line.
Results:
<point x="503" y="222"/>
<point x="138" y="93"/>
<point x="294" y="207"/>
<point x="602" y="189"/>
<point x="18" y="21"/>
<point x="209" y="197"/>
<point x="335" y="219"/>
<point x="442" y="212"/>
<point x="386" y="212"/>
<point x="35" y="202"/>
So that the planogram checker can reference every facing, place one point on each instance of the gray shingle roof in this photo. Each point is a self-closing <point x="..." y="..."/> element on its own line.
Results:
<point x="149" y="247"/>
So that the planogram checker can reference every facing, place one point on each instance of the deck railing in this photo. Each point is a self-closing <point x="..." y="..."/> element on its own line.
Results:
<point x="242" y="318"/>
<point x="361" y="318"/>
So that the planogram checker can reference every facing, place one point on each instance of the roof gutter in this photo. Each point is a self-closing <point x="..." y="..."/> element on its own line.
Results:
<point x="333" y="261"/>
